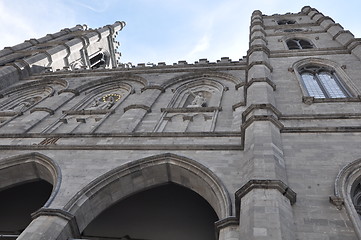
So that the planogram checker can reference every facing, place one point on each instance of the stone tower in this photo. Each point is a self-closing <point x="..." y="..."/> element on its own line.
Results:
<point x="267" y="147"/>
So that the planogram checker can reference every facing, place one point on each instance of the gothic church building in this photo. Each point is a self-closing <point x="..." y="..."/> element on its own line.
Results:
<point x="264" y="148"/>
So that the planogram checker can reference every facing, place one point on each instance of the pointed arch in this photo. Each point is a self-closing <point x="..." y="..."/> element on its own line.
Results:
<point x="147" y="173"/>
<point x="116" y="78"/>
<point x="201" y="75"/>
<point x="345" y="185"/>
<point x="32" y="166"/>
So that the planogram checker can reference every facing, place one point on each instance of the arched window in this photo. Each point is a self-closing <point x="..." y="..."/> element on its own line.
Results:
<point x="348" y="193"/>
<point x="356" y="197"/>
<point x="298" y="44"/>
<point x="286" y="22"/>
<point x="321" y="82"/>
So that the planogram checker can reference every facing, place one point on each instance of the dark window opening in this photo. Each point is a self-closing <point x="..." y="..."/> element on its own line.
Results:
<point x="298" y="44"/>
<point x="18" y="203"/>
<point x="286" y="22"/>
<point x="97" y="61"/>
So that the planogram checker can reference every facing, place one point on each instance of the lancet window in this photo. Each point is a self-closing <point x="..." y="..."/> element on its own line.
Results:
<point x="321" y="82"/>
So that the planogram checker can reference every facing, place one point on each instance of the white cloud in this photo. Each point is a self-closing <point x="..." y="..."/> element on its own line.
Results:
<point x="98" y="6"/>
<point x="20" y="20"/>
<point x="201" y="47"/>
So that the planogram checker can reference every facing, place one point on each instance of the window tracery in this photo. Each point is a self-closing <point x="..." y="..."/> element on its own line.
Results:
<point x="321" y="82"/>
<point x="294" y="44"/>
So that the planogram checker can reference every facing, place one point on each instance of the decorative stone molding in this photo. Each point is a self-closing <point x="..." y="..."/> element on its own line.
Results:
<point x="205" y="75"/>
<point x="226" y="222"/>
<point x="191" y="109"/>
<point x="88" y="112"/>
<point x="254" y="107"/>
<point x="160" y="88"/>
<point x="239" y="85"/>
<point x="269" y="118"/>
<point x="259" y="37"/>
<point x="237" y="105"/>
<point x="264" y="63"/>
<point x="42" y="109"/>
<point x="266" y="79"/>
<point x="264" y="184"/>
<point x="257" y="48"/>
<point x="137" y="106"/>
<point x="256" y="30"/>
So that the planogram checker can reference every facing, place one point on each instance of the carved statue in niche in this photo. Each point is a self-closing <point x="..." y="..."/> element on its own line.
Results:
<point x="105" y="102"/>
<point x="198" y="101"/>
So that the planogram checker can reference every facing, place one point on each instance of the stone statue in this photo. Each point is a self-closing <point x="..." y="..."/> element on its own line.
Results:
<point x="97" y="105"/>
<point x="22" y="106"/>
<point x="198" y="101"/>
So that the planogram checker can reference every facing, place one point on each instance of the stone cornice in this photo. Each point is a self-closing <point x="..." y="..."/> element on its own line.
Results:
<point x="253" y="107"/>
<point x="344" y="129"/>
<point x="266" y="80"/>
<point x="123" y="135"/>
<point x="160" y="147"/>
<point x="88" y="112"/>
<point x="257" y="48"/>
<point x="309" y="52"/>
<point x="191" y="109"/>
<point x="269" y="118"/>
<point x="264" y="63"/>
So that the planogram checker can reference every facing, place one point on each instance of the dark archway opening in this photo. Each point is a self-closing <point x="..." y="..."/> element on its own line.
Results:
<point x="17" y="203"/>
<point x="167" y="212"/>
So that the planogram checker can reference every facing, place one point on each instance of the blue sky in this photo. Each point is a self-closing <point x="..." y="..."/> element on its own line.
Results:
<point x="162" y="30"/>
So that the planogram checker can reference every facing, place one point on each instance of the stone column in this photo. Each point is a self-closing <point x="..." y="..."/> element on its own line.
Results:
<point x="264" y="201"/>
<point x="228" y="229"/>
<point x="136" y="111"/>
<point x="51" y="224"/>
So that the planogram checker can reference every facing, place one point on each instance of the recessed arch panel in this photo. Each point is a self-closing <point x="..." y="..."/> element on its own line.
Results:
<point x="144" y="174"/>
<point x="346" y="180"/>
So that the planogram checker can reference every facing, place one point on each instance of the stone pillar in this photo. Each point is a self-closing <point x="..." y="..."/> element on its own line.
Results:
<point x="228" y="229"/>
<point x="136" y="111"/>
<point x="264" y="202"/>
<point x="51" y="224"/>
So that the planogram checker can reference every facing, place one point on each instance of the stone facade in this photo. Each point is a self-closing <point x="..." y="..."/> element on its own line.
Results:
<point x="271" y="142"/>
